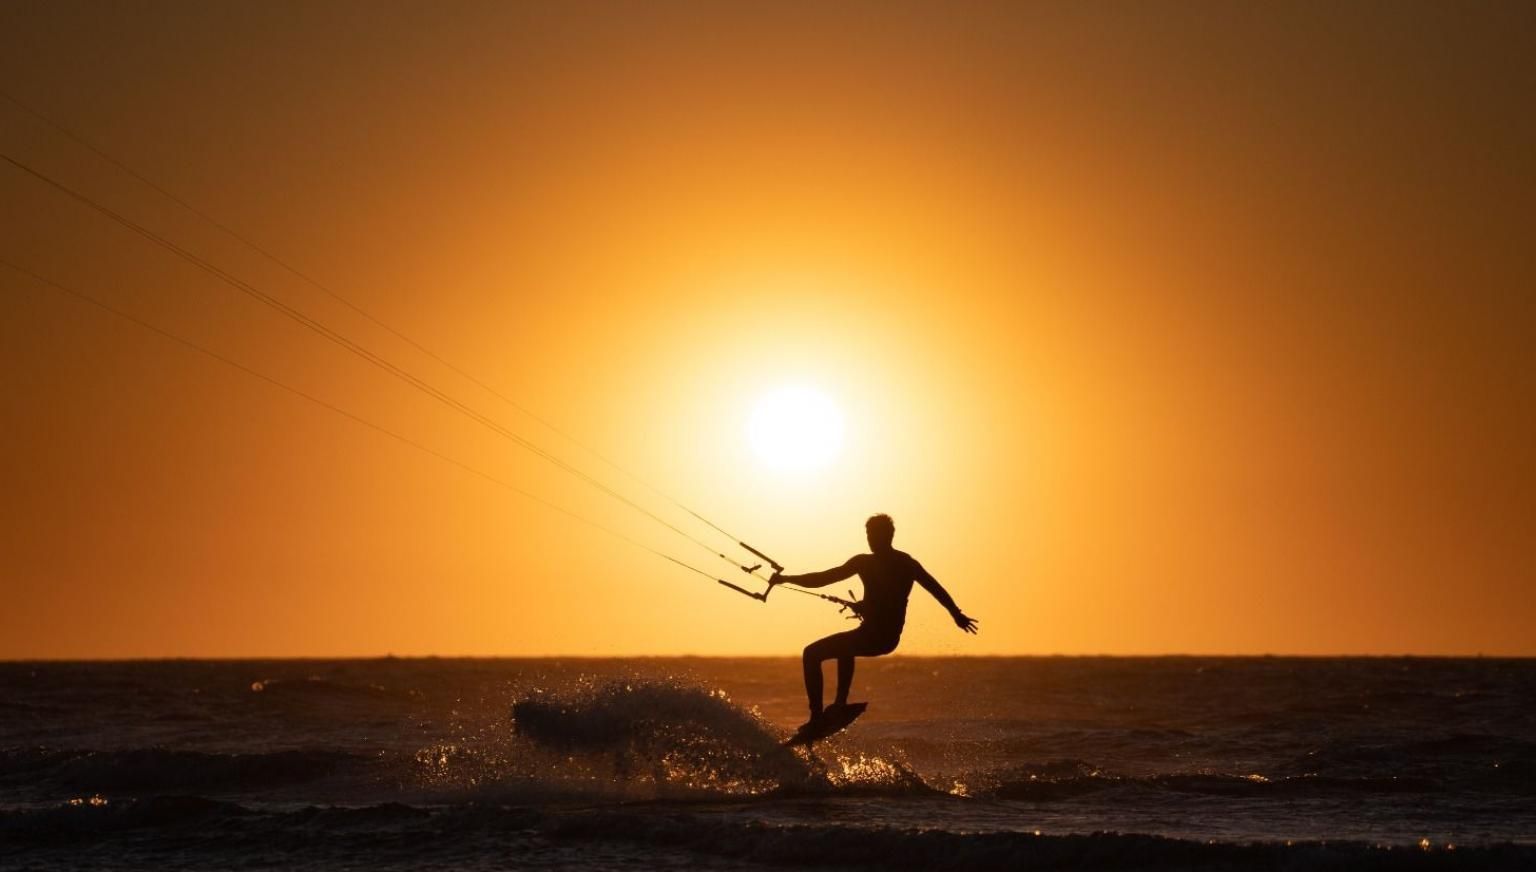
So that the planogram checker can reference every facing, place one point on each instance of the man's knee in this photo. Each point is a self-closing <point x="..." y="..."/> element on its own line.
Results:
<point x="824" y="649"/>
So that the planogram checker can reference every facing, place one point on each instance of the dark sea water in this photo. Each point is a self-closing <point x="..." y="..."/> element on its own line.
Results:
<point x="1053" y="763"/>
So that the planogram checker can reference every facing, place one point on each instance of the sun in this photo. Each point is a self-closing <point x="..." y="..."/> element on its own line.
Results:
<point x="796" y="429"/>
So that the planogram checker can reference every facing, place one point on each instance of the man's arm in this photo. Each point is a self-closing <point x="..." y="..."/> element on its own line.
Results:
<point x="933" y="587"/>
<point x="822" y="578"/>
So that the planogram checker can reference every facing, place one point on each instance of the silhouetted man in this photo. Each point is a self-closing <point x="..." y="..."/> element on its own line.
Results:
<point x="887" y="575"/>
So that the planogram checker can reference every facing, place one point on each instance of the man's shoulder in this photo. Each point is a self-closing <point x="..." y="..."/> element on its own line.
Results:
<point x="912" y="565"/>
<point x="893" y="557"/>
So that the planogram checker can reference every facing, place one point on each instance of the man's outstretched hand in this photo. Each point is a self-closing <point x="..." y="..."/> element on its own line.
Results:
<point x="967" y="624"/>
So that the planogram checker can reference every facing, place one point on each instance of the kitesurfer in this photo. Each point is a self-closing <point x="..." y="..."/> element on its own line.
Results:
<point x="887" y="575"/>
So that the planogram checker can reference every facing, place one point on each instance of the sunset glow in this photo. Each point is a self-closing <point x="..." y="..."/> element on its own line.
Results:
<point x="1155" y="328"/>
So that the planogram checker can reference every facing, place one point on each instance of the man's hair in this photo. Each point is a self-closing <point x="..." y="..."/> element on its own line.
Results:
<point x="881" y="524"/>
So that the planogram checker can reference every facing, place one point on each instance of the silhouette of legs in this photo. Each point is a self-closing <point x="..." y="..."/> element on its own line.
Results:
<point x="842" y="647"/>
<point x="844" y="679"/>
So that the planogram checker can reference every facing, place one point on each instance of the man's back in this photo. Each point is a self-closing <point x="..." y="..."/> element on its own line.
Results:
<point x="887" y="575"/>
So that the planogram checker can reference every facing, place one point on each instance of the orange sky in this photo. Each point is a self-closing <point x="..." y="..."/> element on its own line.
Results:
<point x="1158" y="328"/>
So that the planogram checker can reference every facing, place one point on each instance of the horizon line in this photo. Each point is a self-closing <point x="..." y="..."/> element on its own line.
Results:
<point x="6" y="661"/>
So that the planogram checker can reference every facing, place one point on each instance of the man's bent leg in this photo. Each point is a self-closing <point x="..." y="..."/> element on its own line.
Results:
<point x="860" y="643"/>
<point x="840" y="646"/>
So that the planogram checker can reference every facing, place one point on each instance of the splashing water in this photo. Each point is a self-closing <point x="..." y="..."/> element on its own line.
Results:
<point x="686" y="737"/>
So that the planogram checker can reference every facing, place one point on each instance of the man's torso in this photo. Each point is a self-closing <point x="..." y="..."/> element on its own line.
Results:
<point x="887" y="578"/>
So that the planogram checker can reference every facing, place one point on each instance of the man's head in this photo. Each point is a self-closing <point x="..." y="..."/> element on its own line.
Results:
<point x="880" y="530"/>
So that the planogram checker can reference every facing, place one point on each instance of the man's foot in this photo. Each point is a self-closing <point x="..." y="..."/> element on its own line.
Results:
<point x="815" y="716"/>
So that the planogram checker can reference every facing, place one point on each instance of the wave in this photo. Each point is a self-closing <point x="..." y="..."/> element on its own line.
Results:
<point x="199" y="831"/>
<point x="144" y="770"/>
<point x="1254" y="785"/>
<point x="1421" y="767"/>
<point x="318" y="688"/>
<point x="1437" y="750"/>
<point x="1497" y="764"/>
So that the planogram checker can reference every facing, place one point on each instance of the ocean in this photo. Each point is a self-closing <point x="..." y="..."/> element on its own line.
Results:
<point x="960" y="763"/>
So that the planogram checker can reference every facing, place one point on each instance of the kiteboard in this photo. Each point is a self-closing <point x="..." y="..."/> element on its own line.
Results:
<point x="833" y="720"/>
